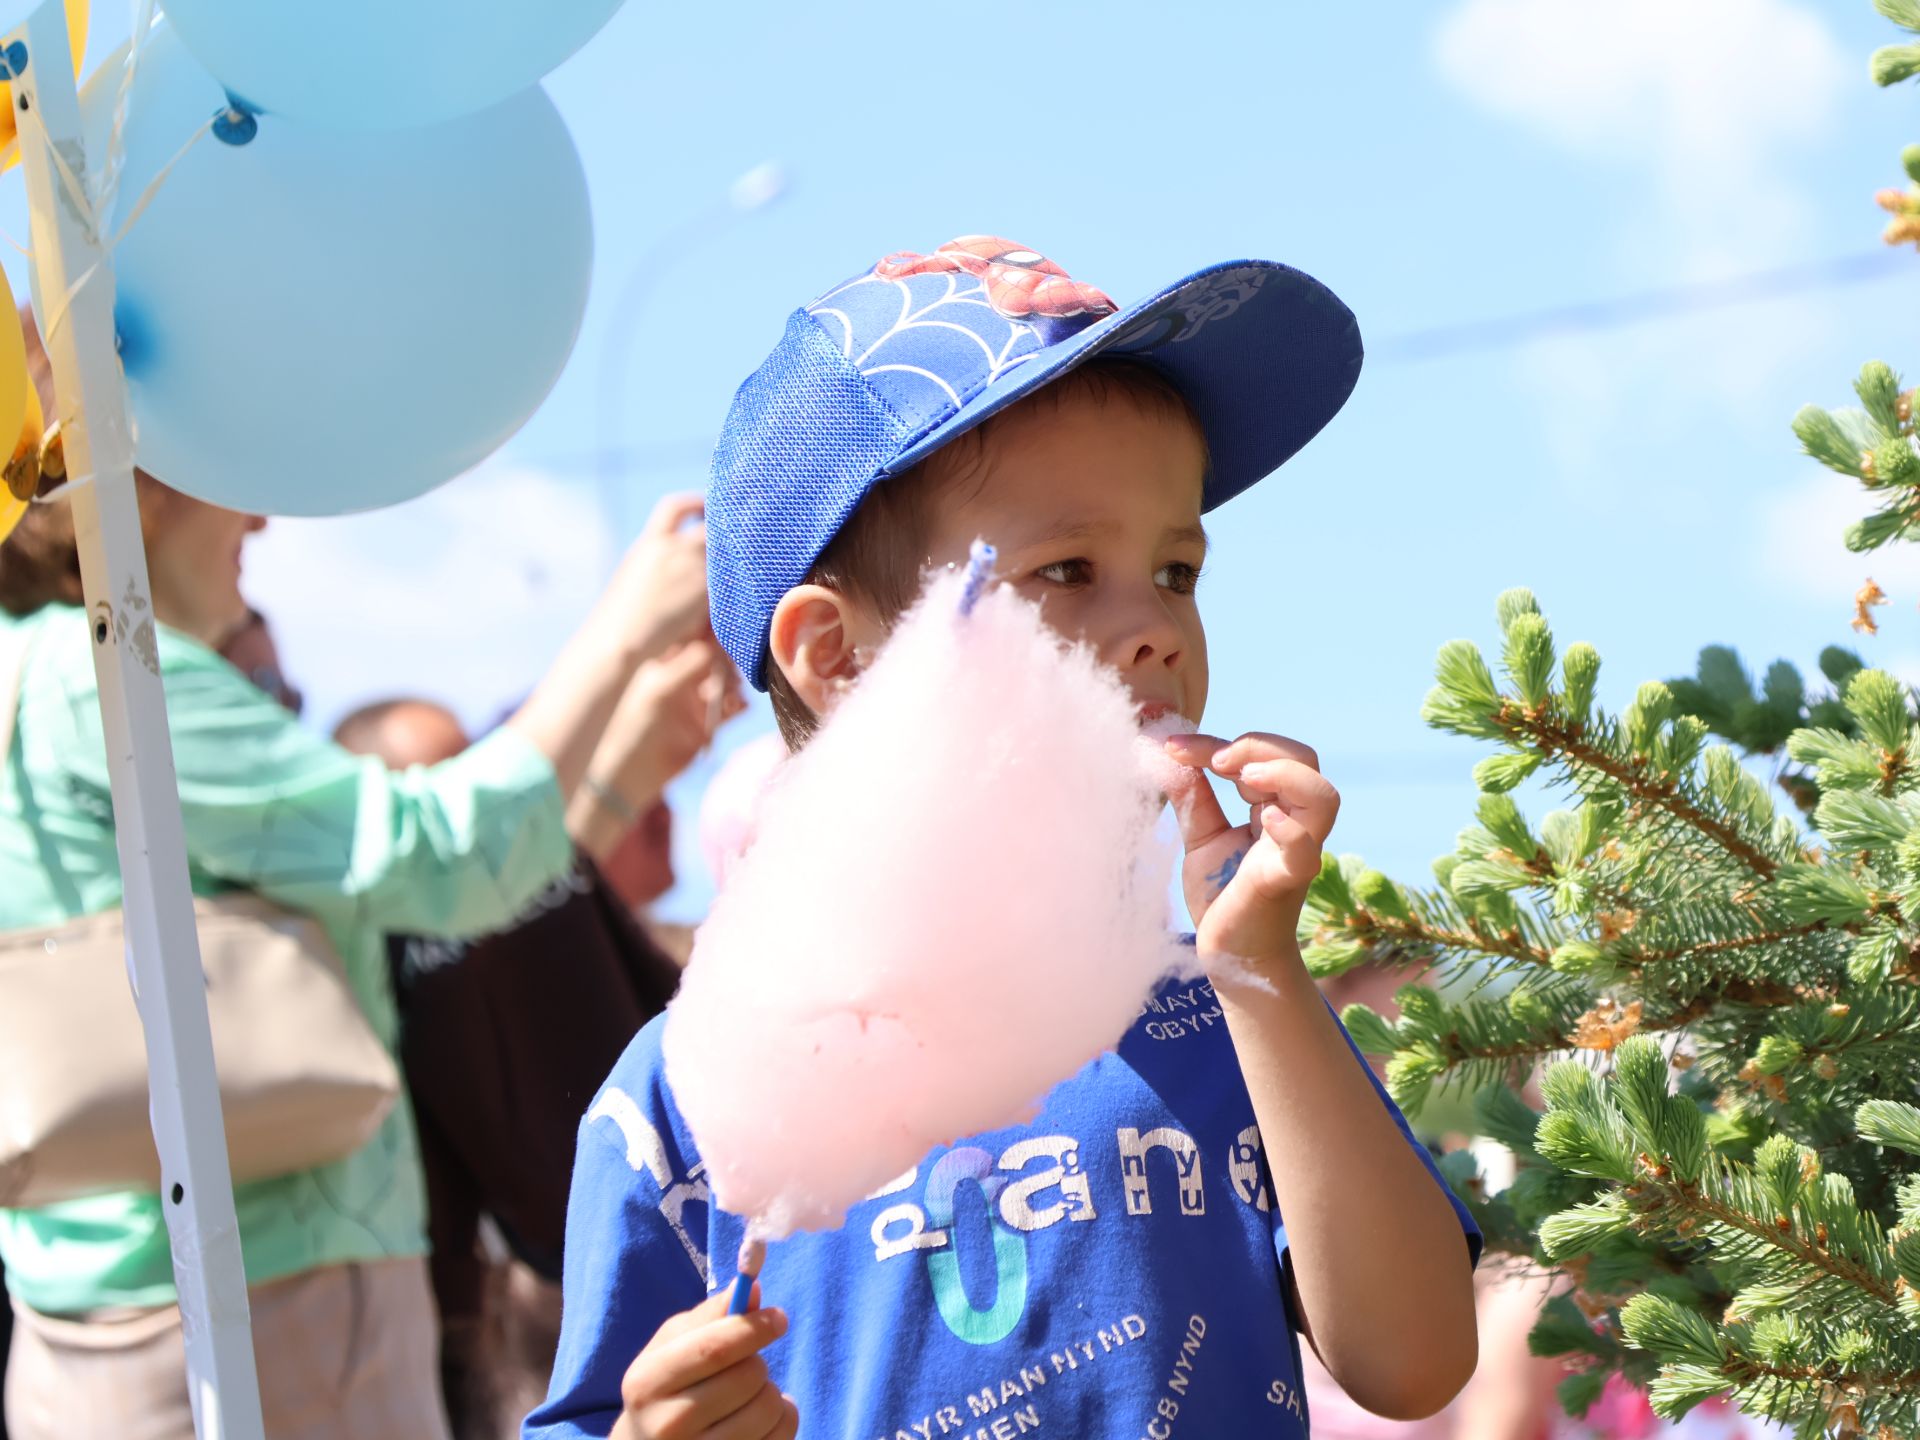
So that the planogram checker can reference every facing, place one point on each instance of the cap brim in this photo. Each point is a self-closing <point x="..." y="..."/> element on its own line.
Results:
<point x="1264" y="354"/>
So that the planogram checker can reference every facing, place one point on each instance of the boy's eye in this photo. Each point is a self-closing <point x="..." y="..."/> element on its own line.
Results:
<point x="1180" y="578"/>
<point x="1066" y="572"/>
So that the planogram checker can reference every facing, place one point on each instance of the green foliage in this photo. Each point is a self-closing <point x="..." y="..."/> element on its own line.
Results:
<point x="1901" y="12"/>
<point x="1873" y="445"/>
<point x="1893" y="63"/>
<point x="1721" y="695"/>
<point x="1822" y="437"/>
<point x="1744" y="1224"/>
<point x="1718" y="995"/>
<point x="1890" y="1122"/>
<point x="1879" y="390"/>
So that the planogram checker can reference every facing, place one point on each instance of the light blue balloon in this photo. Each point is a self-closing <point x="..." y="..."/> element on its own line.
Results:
<point x="317" y="322"/>
<point x="381" y="64"/>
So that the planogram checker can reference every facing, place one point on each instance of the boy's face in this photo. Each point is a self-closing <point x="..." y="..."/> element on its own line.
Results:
<point x="1093" y="502"/>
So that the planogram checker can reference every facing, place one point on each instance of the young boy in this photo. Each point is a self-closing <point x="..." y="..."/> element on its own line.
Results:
<point x="1140" y="1259"/>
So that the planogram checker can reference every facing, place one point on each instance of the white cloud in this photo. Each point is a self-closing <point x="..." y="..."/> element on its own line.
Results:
<point x="1713" y="103"/>
<point x="1703" y="93"/>
<point x="464" y="595"/>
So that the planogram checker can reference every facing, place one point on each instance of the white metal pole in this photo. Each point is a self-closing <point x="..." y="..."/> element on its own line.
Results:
<point x="163" y="949"/>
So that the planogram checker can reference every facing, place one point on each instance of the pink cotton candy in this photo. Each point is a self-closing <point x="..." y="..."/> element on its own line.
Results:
<point x="1150" y="750"/>
<point x="954" y="899"/>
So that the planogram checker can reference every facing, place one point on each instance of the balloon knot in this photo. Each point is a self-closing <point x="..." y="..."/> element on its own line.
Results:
<point x="237" y="124"/>
<point x="13" y="61"/>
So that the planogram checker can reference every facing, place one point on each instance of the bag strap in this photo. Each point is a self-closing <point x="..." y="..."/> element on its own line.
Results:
<point x="16" y="641"/>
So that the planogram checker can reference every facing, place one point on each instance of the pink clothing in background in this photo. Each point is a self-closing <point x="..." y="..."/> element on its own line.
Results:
<point x="732" y="800"/>
<point x="1622" y="1413"/>
<point x="1335" y="1417"/>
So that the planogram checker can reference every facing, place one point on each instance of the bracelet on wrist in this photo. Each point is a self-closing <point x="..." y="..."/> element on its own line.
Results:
<point x="611" y="800"/>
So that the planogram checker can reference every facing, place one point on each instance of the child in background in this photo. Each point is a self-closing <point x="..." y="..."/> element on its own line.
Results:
<point x="1144" y="1257"/>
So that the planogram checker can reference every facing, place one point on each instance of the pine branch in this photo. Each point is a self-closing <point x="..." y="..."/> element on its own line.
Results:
<point x="1673" y="900"/>
<point x="1641" y="961"/>
<point x="1661" y="791"/>
<point x="1472" y="940"/>
<point x="1674" y="1203"/>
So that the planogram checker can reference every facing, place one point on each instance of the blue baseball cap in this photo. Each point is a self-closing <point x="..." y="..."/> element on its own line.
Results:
<point x="880" y="372"/>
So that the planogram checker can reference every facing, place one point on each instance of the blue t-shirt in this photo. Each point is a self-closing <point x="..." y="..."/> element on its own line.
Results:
<point x="1112" y="1269"/>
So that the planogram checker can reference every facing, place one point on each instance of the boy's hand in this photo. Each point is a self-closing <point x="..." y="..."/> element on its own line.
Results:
<point x="1246" y="884"/>
<point x="702" y="1376"/>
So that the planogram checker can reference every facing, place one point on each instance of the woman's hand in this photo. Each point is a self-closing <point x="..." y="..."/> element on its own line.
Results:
<point x="659" y="591"/>
<point x="670" y="712"/>
<point x="656" y="601"/>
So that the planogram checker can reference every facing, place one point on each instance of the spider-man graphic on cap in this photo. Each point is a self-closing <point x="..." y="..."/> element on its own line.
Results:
<point x="1020" y="283"/>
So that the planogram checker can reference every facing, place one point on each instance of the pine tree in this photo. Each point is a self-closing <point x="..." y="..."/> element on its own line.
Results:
<point x="1714" y="977"/>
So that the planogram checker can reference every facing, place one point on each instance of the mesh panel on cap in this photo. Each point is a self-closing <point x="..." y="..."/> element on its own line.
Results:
<point x="801" y="445"/>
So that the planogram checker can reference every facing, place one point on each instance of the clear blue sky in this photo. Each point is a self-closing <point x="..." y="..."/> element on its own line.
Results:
<point x="1462" y="161"/>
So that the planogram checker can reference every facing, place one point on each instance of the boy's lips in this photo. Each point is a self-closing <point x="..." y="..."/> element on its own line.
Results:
<point x="1153" y="710"/>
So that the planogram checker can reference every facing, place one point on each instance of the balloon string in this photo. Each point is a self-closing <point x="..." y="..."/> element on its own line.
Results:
<point x="115" y="160"/>
<point x="59" y="492"/>
<point x="139" y="209"/>
<point x="153" y="185"/>
<point x="7" y="235"/>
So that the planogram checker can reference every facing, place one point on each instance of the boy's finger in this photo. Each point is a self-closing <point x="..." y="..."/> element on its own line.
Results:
<point x="1303" y="793"/>
<point x="1287" y="858"/>
<point x="1197" y="809"/>
<point x="706" y="1350"/>
<point x="1297" y="846"/>
<point x="702" y="1407"/>
<point x="1258" y="745"/>
<point x="762" y="1416"/>
<point x="1195" y="750"/>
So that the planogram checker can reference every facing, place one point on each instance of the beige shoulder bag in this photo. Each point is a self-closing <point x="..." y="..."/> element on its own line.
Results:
<point x="303" y="1078"/>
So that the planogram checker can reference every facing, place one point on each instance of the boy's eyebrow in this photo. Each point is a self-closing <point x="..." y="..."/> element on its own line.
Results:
<point x="1195" y="533"/>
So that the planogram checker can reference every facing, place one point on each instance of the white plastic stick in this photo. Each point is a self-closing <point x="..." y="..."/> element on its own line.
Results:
<point x="163" y="950"/>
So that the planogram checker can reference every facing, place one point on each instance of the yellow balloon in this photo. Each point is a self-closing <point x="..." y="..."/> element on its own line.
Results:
<point x="77" y="40"/>
<point x="20" y="477"/>
<point x="14" y="384"/>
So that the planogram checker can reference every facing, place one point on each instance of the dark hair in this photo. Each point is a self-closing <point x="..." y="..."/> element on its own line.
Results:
<point x="40" y="560"/>
<point x="878" y="555"/>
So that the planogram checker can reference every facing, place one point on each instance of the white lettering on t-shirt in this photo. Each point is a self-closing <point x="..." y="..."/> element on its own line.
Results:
<point x="1134" y="1150"/>
<point x="915" y="1237"/>
<point x="646" y="1154"/>
<point x="1243" y="1165"/>
<point x="1075" y="1199"/>
<point x="644" y="1150"/>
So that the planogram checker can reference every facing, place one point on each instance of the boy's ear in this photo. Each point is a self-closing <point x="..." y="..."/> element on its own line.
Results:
<point x="818" y="639"/>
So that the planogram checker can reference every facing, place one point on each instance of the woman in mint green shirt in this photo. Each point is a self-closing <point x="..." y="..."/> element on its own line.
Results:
<point x="450" y="850"/>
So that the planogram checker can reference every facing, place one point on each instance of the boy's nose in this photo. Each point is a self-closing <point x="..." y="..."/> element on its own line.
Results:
<point x="1145" y="636"/>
